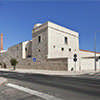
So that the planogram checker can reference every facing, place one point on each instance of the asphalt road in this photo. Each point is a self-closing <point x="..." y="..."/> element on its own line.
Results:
<point x="62" y="88"/>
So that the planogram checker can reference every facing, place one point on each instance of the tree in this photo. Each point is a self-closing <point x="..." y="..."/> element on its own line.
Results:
<point x="13" y="62"/>
<point x="0" y="63"/>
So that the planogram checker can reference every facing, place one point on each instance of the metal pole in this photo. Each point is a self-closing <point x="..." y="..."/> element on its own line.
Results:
<point x="99" y="63"/>
<point x="75" y="66"/>
<point x="95" y="51"/>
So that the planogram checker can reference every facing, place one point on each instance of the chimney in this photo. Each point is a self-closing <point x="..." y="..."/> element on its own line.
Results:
<point x="1" y="41"/>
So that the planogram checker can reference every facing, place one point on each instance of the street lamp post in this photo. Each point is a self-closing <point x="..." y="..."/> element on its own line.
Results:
<point x="95" y="49"/>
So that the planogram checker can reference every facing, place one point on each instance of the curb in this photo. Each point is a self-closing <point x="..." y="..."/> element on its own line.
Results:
<point x="3" y="81"/>
<point x="48" y="72"/>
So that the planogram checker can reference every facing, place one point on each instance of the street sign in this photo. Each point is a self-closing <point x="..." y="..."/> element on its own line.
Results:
<point x="34" y="59"/>
<point x="75" y="57"/>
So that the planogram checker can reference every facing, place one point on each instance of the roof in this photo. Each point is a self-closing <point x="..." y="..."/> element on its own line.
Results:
<point x="89" y="51"/>
<point x="56" y="27"/>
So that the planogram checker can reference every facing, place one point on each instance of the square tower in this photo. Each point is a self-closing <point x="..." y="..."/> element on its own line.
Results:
<point x="40" y="42"/>
<point x="55" y="44"/>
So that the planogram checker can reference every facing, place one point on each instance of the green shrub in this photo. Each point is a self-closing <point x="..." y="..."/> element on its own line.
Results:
<point x="0" y="64"/>
<point x="13" y="62"/>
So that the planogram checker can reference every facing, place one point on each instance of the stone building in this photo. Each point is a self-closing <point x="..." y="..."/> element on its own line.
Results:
<point x="52" y="48"/>
<point x="55" y="45"/>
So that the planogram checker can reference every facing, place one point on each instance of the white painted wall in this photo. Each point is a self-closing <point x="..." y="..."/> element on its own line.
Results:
<point x="88" y="64"/>
<point x="56" y="35"/>
<point x="86" y="53"/>
<point x="23" y="49"/>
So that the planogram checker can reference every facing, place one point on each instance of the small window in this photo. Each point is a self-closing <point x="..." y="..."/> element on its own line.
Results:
<point x="70" y="49"/>
<point x="39" y="50"/>
<point x="54" y="46"/>
<point x="39" y="39"/>
<point x="62" y="49"/>
<point x="66" y="40"/>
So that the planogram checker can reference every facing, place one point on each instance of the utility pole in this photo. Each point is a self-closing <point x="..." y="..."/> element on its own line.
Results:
<point x="95" y="52"/>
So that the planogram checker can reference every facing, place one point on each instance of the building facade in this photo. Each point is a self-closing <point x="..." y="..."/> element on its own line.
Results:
<point x="54" y="43"/>
<point x="87" y="61"/>
<point x="52" y="48"/>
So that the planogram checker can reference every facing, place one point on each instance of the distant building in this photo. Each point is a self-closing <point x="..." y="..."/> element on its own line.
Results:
<point x="52" y="48"/>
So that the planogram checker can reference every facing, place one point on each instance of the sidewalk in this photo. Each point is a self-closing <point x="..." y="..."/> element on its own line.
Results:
<point x="48" y="72"/>
<point x="3" y="81"/>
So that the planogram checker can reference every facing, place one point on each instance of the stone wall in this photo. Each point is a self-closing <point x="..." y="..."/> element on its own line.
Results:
<point x="15" y="51"/>
<point x="40" y="49"/>
<point x="50" y="64"/>
<point x="29" y="49"/>
<point x="5" y="59"/>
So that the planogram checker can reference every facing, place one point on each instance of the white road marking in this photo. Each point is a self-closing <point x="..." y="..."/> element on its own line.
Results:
<point x="91" y="73"/>
<point x="33" y="92"/>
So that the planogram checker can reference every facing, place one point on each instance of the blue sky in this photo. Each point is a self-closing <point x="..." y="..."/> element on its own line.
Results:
<point x="18" y="17"/>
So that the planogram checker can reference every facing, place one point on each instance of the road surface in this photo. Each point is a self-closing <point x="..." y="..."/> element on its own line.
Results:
<point x="23" y="86"/>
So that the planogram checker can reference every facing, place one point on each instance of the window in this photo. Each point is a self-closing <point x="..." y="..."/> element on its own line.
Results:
<point x="54" y="46"/>
<point x="39" y="39"/>
<point x="70" y="49"/>
<point x="62" y="49"/>
<point x="66" y="40"/>
<point x="39" y="50"/>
